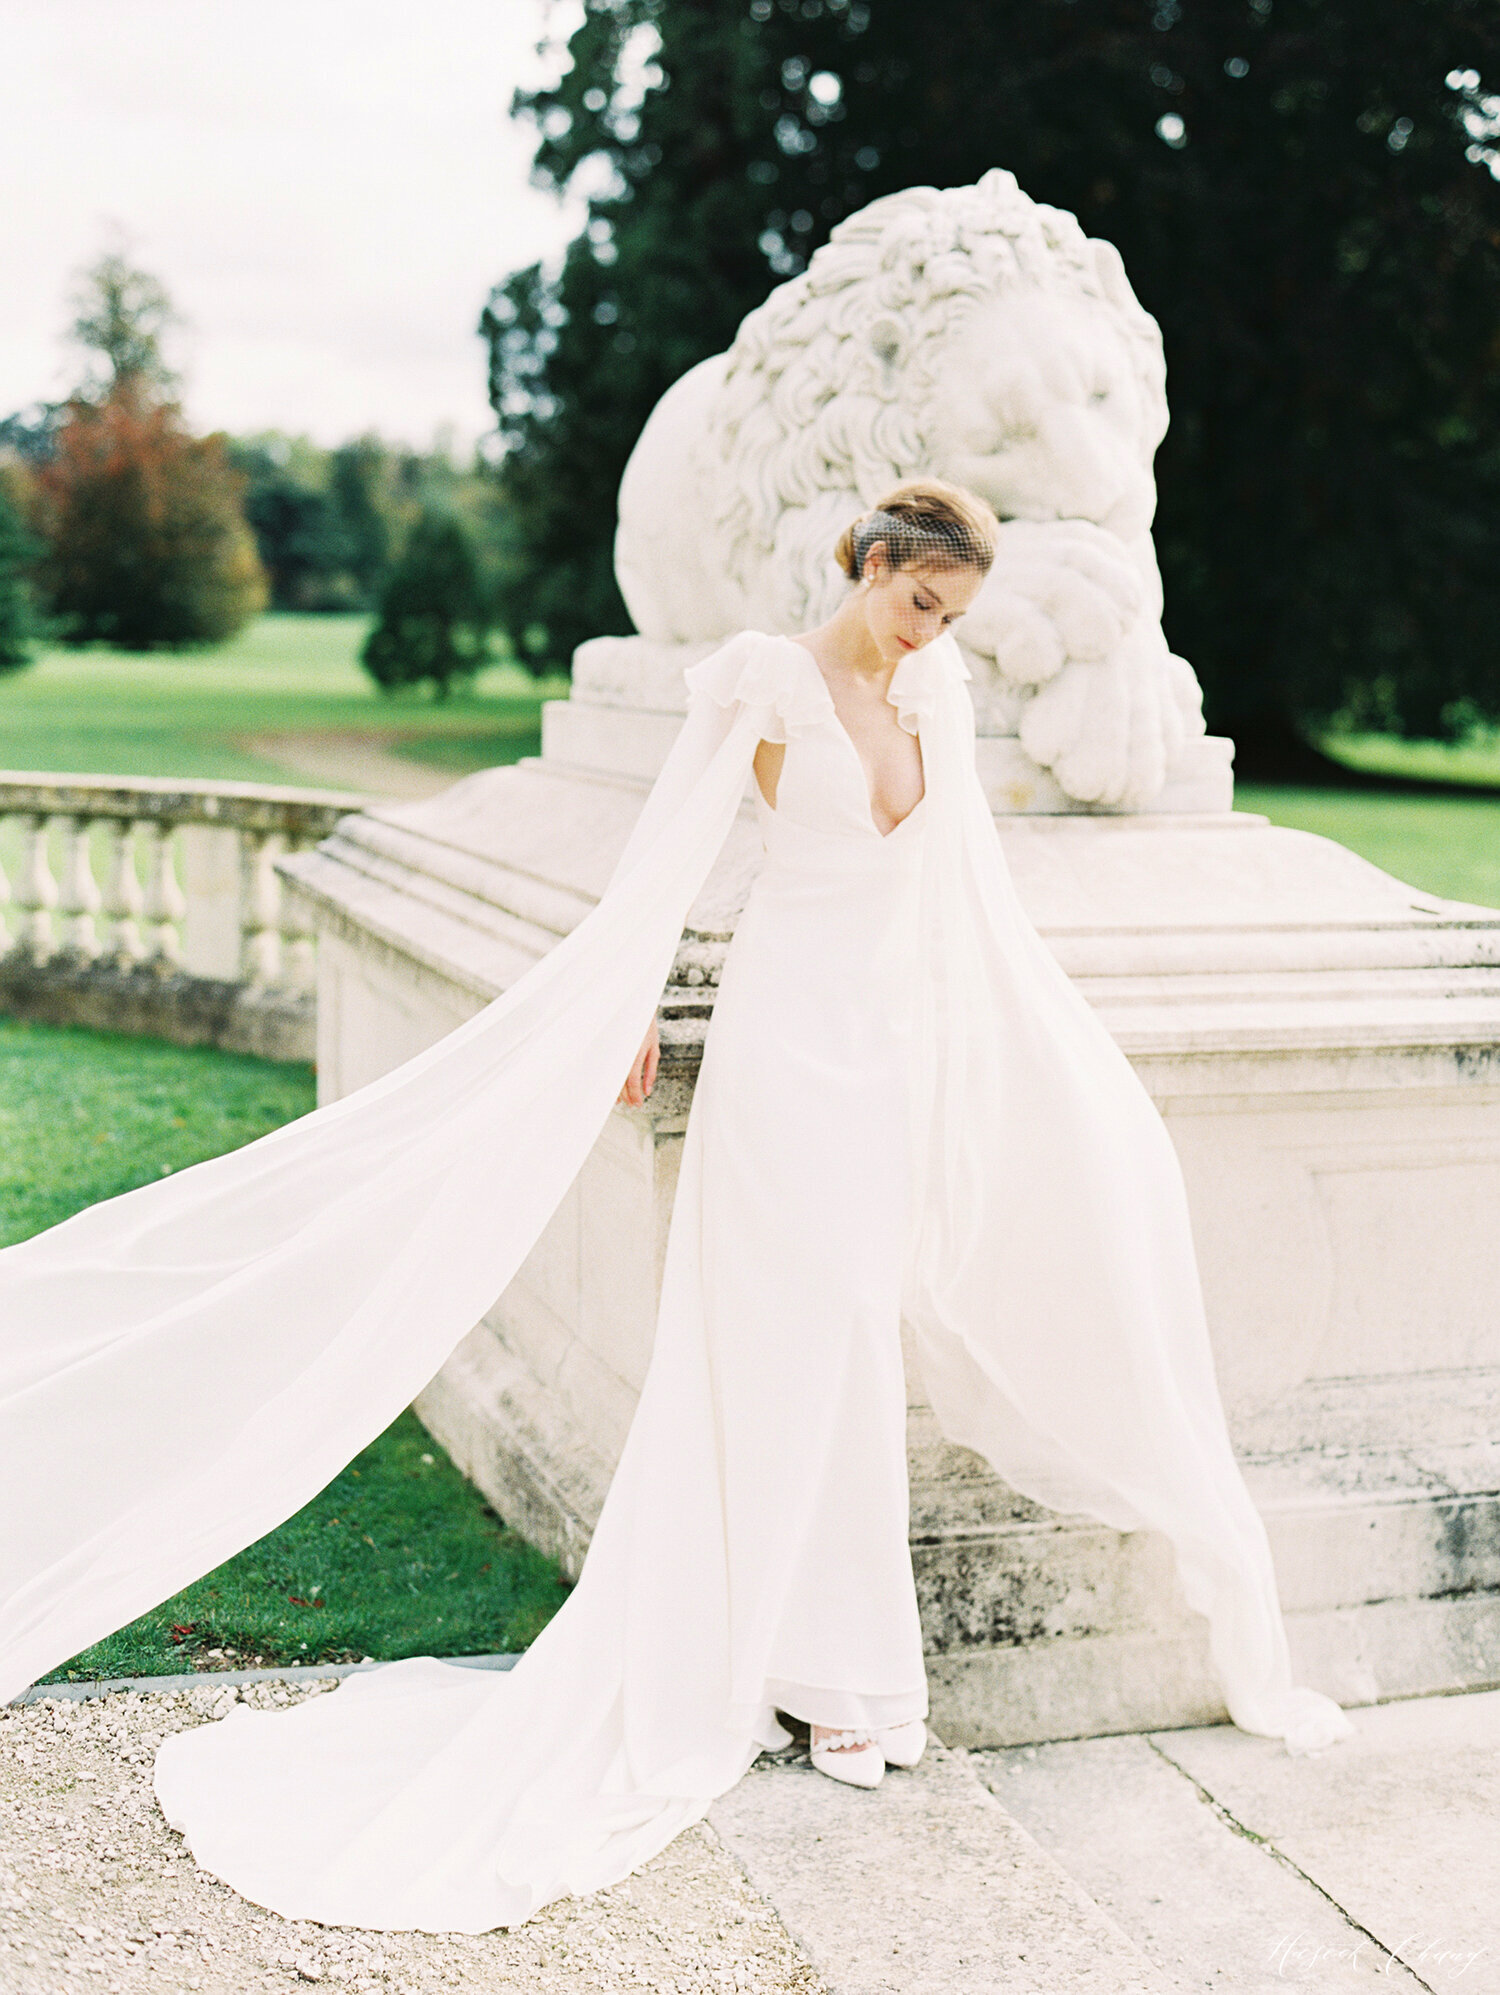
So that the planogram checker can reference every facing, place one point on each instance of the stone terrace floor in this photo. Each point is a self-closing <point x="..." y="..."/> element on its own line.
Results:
<point x="1171" y="1861"/>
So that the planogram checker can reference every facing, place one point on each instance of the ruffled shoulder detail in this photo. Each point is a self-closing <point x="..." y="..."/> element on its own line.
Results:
<point x="919" y="678"/>
<point x="772" y="673"/>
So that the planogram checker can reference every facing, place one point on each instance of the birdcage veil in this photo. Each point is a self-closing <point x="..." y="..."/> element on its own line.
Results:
<point x="928" y="523"/>
<point x="951" y="542"/>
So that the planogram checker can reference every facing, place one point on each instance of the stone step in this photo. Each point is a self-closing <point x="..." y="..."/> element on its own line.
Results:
<point x="1210" y="1906"/>
<point x="1236" y="1867"/>
<point x="1032" y="1582"/>
<point x="1041" y="1627"/>
<point x="924" y="1885"/>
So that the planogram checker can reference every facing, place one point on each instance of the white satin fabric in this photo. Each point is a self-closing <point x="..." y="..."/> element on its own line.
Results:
<point x="904" y="1105"/>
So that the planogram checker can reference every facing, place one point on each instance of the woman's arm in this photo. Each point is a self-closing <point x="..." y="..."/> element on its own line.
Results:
<point x="769" y="757"/>
<point x="642" y="1076"/>
<point x="702" y="734"/>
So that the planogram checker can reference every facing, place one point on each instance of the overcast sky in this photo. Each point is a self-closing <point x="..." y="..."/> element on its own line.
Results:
<point x="328" y="189"/>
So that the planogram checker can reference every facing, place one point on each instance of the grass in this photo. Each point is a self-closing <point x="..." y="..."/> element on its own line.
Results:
<point x="1444" y="845"/>
<point x="85" y="1115"/>
<point x="203" y="714"/>
<point x="1447" y="845"/>
<point x="1475" y="760"/>
<point x="399" y="1555"/>
<point x="219" y="713"/>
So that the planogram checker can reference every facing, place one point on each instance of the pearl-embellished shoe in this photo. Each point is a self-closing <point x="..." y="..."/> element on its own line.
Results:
<point x="902" y="1745"/>
<point x="854" y="1757"/>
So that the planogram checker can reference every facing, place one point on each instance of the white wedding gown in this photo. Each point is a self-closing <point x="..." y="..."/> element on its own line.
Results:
<point x="904" y="1108"/>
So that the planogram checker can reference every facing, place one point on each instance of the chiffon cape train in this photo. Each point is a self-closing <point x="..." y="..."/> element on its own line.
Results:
<point x="184" y="1366"/>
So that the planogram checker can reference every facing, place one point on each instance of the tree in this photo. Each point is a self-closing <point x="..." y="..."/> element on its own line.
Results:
<point x="434" y="620"/>
<point x="18" y="625"/>
<point x="326" y="521"/>
<point x="303" y="542"/>
<point x="661" y="276"/>
<point x="122" y="314"/>
<point x="146" y="541"/>
<point x="1306" y="195"/>
<point x="28" y="436"/>
<point x="358" y="481"/>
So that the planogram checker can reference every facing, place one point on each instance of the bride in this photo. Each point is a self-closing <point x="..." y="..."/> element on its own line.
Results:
<point x="905" y="1111"/>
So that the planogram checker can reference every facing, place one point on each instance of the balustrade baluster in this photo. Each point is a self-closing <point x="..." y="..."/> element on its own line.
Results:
<point x="79" y="900"/>
<point x="260" y="907"/>
<point x="123" y="899"/>
<point x="36" y="890"/>
<point x="165" y="905"/>
<point x="298" y="938"/>
<point x="175" y="886"/>
<point x="6" y="936"/>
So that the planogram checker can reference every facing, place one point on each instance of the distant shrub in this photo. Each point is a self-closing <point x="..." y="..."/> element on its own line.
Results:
<point x="18" y="620"/>
<point x="323" y="519"/>
<point x="434" y="617"/>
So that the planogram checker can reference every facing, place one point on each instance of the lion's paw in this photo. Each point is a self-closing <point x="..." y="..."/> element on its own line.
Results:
<point x="1110" y="730"/>
<point x="1058" y="591"/>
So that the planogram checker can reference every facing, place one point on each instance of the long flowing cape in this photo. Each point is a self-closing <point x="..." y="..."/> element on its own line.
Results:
<point x="184" y="1366"/>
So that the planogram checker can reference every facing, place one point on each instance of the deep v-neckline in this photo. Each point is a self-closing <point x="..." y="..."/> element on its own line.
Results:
<point x="859" y="760"/>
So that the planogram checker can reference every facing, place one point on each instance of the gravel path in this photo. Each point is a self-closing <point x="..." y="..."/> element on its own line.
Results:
<point x="351" y="762"/>
<point x="99" y="1897"/>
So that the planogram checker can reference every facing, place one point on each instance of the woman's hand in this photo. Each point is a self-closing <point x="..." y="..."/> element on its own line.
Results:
<point x="642" y="1077"/>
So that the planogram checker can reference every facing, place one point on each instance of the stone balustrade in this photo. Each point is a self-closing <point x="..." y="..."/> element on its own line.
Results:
<point x="156" y="906"/>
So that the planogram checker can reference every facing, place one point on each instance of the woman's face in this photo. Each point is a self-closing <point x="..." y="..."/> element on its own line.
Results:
<point x="907" y="608"/>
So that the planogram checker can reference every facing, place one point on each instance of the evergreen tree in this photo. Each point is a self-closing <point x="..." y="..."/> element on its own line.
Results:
<point x="358" y="479"/>
<point x="1306" y="194"/>
<point x="667" y="266"/>
<point x="434" y="619"/>
<point x="27" y="437"/>
<point x="325" y="521"/>
<point x="304" y="546"/>
<point x="18" y="627"/>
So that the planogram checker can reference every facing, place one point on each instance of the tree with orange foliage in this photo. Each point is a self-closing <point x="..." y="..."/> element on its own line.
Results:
<point x="146" y="540"/>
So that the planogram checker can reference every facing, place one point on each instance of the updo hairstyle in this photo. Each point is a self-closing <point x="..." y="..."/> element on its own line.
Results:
<point x="922" y="521"/>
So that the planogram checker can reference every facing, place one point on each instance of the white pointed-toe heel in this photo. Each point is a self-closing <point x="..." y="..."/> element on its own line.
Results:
<point x="858" y="1759"/>
<point x="902" y="1745"/>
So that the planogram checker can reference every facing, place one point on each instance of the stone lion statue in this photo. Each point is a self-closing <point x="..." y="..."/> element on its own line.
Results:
<point x="976" y="335"/>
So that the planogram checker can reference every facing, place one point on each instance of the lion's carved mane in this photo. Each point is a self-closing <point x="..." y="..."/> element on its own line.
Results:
<point x="977" y="335"/>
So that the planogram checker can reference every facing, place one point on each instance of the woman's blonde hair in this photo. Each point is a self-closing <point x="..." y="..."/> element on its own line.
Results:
<point x="922" y="520"/>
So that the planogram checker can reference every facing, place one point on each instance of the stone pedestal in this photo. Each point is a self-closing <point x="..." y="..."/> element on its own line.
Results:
<point x="1324" y="1043"/>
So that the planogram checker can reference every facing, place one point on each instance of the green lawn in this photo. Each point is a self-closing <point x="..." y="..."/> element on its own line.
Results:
<point x="85" y="1115"/>
<point x="1476" y="760"/>
<point x="399" y="1555"/>
<point x="203" y="714"/>
<point x="1448" y="845"/>
<point x="199" y="714"/>
<point x="1445" y="845"/>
